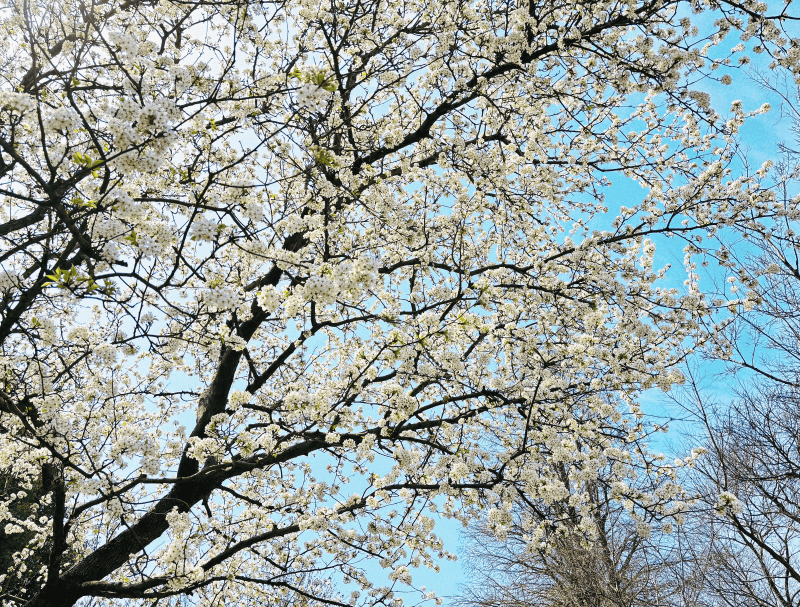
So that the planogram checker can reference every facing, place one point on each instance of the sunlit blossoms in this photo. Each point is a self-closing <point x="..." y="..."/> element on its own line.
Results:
<point x="8" y="280"/>
<point x="17" y="102"/>
<point x="728" y="504"/>
<point x="203" y="229"/>
<point x="312" y="97"/>
<point x="268" y="298"/>
<point x="63" y="119"/>
<point x="221" y="298"/>
<point x="126" y="43"/>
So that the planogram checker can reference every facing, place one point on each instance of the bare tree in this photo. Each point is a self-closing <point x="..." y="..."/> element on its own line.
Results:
<point x="620" y="561"/>
<point x="750" y="482"/>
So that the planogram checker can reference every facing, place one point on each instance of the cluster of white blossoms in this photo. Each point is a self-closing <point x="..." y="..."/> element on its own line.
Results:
<point x="268" y="298"/>
<point x="120" y="122"/>
<point x="108" y="228"/>
<point x="312" y="97"/>
<point x="203" y="229"/>
<point x="149" y="464"/>
<point x="254" y="211"/>
<point x="110" y="253"/>
<point x="147" y="127"/>
<point x="459" y="470"/>
<point x="60" y="423"/>
<point x="156" y="115"/>
<point x="63" y="119"/>
<point x="124" y="42"/>
<point x="237" y="398"/>
<point x="180" y="526"/>
<point x="401" y="574"/>
<point x="643" y="529"/>
<point x="154" y="239"/>
<point x="128" y="439"/>
<point x="321" y="289"/>
<point x="292" y="224"/>
<point x="147" y="162"/>
<point x="120" y="132"/>
<point x="346" y="278"/>
<point x="221" y="298"/>
<point x="365" y="270"/>
<point x="47" y="330"/>
<point x="106" y="353"/>
<point x="181" y="77"/>
<point x="499" y="516"/>
<point x="126" y="164"/>
<point x="17" y="102"/>
<point x="127" y="208"/>
<point x="728" y="503"/>
<point x="499" y="520"/>
<point x="552" y="492"/>
<point x="8" y="280"/>
<point x="703" y="99"/>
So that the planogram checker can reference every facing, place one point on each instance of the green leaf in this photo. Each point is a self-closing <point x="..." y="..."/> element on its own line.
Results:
<point x="78" y="201"/>
<point x="323" y="156"/>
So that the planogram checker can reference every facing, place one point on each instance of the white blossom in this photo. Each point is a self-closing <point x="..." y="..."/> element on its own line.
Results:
<point x="17" y="102"/>
<point x="221" y="298"/>
<point x="268" y="298"/>
<point x="203" y="229"/>
<point x="312" y="97"/>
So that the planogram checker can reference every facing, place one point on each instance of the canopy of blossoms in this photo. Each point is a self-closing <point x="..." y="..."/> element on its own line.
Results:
<point x="284" y="283"/>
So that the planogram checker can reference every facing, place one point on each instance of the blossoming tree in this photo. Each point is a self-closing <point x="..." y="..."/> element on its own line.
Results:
<point x="277" y="278"/>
